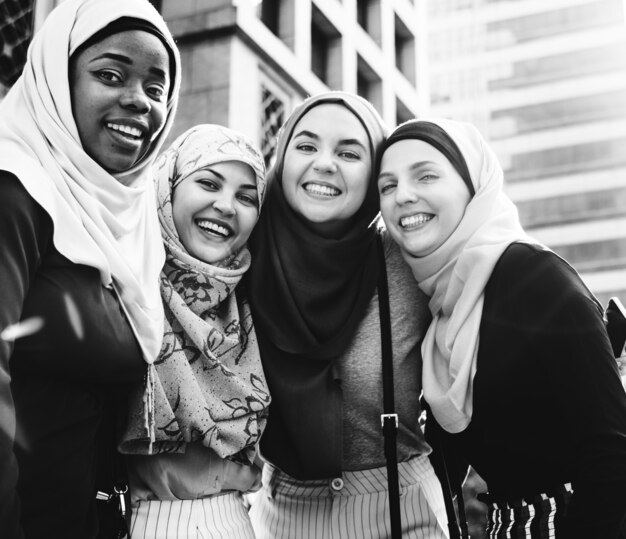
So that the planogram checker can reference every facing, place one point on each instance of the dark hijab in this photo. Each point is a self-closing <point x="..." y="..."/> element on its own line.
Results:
<point x="434" y="135"/>
<point x="308" y="295"/>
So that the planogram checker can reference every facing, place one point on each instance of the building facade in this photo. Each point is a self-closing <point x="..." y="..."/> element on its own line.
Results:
<point x="247" y="63"/>
<point x="546" y="82"/>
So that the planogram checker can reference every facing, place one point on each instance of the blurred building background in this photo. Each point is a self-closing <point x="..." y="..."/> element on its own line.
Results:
<point x="544" y="81"/>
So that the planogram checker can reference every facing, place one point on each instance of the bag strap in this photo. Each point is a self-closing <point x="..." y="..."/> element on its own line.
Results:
<point x="389" y="419"/>
<point x="451" y="485"/>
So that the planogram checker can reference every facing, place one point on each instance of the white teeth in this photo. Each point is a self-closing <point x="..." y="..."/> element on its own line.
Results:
<point x="415" y="220"/>
<point x="128" y="130"/>
<point x="213" y="227"/>
<point x="322" y="190"/>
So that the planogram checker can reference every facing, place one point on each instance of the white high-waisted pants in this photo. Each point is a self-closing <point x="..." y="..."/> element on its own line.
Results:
<point x="353" y="506"/>
<point x="224" y="516"/>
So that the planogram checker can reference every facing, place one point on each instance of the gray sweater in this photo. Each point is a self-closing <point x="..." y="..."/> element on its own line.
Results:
<point x="360" y="370"/>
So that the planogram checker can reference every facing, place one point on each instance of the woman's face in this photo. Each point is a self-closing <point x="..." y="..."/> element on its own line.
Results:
<point x="215" y="210"/>
<point x="422" y="196"/>
<point x="327" y="167"/>
<point x="119" y="89"/>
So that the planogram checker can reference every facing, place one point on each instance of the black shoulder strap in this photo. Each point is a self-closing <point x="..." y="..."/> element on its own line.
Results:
<point x="389" y="419"/>
<point x="451" y="484"/>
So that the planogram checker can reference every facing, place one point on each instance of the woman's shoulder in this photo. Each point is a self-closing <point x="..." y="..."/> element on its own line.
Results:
<point x="15" y="198"/>
<point x="535" y="277"/>
<point x="533" y="263"/>
<point x="523" y="253"/>
<point x="21" y="216"/>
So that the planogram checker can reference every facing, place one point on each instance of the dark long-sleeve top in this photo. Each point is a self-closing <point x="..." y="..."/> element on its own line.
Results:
<point x="58" y="384"/>
<point x="549" y="407"/>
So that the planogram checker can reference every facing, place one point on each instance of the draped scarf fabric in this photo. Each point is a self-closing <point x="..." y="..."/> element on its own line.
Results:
<point x="455" y="276"/>
<point x="308" y="295"/>
<point x="209" y="384"/>
<point x="98" y="220"/>
<point x="315" y="286"/>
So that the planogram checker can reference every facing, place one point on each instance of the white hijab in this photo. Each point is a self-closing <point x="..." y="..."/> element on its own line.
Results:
<point x="97" y="220"/>
<point x="455" y="275"/>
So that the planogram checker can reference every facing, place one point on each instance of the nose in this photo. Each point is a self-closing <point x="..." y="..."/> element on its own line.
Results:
<point x="325" y="162"/>
<point x="405" y="192"/>
<point x="135" y="98"/>
<point x="224" y="204"/>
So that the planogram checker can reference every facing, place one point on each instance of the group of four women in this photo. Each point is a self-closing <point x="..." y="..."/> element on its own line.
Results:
<point x="234" y="333"/>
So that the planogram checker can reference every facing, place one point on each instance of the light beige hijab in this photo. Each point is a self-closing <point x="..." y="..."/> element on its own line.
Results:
<point x="98" y="221"/>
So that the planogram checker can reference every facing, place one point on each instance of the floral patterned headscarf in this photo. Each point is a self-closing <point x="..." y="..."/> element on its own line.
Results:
<point x="210" y="385"/>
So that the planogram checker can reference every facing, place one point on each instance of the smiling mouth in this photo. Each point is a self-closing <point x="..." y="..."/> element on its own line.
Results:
<point x="415" y="221"/>
<point x="131" y="133"/>
<point x="215" y="229"/>
<point x="320" y="190"/>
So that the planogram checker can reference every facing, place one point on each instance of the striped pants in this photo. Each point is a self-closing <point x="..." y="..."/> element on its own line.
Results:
<point x="540" y="517"/>
<point x="223" y="516"/>
<point x="353" y="506"/>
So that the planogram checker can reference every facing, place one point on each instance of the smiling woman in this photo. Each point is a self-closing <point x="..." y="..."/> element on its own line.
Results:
<point x="229" y="190"/>
<point x="327" y="164"/>
<point x="119" y="95"/>
<point x="422" y="200"/>
<point x="314" y="291"/>
<point x="518" y="368"/>
<point x="210" y="397"/>
<point x="81" y="252"/>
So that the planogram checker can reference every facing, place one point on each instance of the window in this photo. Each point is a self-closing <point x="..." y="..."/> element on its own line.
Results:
<point x="325" y="50"/>
<point x="573" y="208"/>
<point x="405" y="50"/>
<point x="268" y="12"/>
<point x="368" y="16"/>
<point x="276" y="104"/>
<point x="369" y="85"/>
<point x="566" y="160"/>
<point x="278" y="16"/>
<point x="16" y="31"/>
<point x="562" y="66"/>
<point x="403" y="113"/>
<point x="561" y="21"/>
<point x="595" y="256"/>
<point x="561" y="113"/>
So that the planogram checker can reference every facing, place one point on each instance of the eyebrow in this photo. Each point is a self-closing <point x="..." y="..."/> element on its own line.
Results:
<point x="128" y="61"/>
<point x="342" y="142"/>
<point x="422" y="164"/>
<point x="415" y="166"/>
<point x="221" y="177"/>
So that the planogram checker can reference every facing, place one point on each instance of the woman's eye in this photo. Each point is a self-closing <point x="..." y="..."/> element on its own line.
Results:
<point x="208" y="183"/>
<point x="248" y="200"/>
<point x="108" y="76"/>
<point x="350" y="155"/>
<point x="305" y="147"/>
<point x="386" y="188"/>
<point x="156" y="92"/>
<point x="427" y="177"/>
